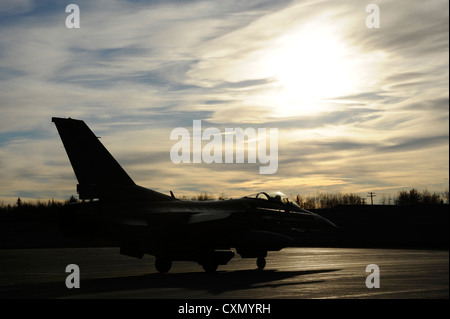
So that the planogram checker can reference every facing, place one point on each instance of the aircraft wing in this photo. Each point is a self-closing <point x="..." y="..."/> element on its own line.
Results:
<point x="207" y="217"/>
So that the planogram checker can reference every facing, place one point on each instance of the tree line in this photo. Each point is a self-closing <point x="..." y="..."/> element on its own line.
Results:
<point x="38" y="209"/>
<point x="415" y="197"/>
<point x="49" y="209"/>
<point x="326" y="200"/>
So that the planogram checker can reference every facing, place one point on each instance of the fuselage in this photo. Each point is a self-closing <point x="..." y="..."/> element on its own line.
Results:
<point x="221" y="224"/>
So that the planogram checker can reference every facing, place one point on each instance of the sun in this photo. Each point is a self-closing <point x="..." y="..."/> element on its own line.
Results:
<point x="310" y="67"/>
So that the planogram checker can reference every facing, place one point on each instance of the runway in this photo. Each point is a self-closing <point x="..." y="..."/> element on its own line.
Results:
<point x="293" y="273"/>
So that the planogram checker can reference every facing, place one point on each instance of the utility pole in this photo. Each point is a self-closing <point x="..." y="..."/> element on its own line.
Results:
<point x="371" y="195"/>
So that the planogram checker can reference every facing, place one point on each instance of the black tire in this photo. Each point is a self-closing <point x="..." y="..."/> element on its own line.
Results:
<point x="163" y="265"/>
<point x="261" y="263"/>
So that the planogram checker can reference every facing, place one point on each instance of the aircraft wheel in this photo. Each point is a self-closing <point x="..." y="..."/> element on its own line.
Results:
<point x="210" y="267"/>
<point x="261" y="263"/>
<point x="163" y="265"/>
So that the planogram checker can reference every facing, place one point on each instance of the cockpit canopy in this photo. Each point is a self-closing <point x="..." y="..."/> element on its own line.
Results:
<point x="278" y="197"/>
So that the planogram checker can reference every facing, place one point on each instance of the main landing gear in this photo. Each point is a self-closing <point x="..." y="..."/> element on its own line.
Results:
<point x="163" y="265"/>
<point x="261" y="263"/>
<point x="210" y="261"/>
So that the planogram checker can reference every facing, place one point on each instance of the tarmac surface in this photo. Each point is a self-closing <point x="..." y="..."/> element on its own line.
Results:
<point x="292" y="273"/>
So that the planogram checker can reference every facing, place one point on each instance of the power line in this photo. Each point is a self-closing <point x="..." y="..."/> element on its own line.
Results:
<point x="371" y="195"/>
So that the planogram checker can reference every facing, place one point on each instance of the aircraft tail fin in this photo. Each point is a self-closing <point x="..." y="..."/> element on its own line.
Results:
<point x="99" y="175"/>
<point x="91" y="161"/>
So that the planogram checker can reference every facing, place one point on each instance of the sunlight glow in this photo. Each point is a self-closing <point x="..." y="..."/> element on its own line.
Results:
<point x="310" y="67"/>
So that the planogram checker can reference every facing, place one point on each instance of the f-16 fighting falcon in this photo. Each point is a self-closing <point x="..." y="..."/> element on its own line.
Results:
<point x="143" y="221"/>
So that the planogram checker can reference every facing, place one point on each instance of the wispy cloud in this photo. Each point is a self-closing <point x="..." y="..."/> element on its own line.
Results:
<point x="356" y="108"/>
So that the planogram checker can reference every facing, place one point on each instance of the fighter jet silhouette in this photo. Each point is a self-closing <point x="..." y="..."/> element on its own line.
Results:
<point x="143" y="221"/>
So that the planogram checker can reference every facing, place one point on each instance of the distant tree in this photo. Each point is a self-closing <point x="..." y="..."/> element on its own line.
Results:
<point x="383" y="200"/>
<point x="307" y="203"/>
<point x="299" y="201"/>
<point x="414" y="197"/>
<point x="326" y="200"/>
<point x="429" y="199"/>
<point x="204" y="197"/>
<point x="19" y="202"/>
<point x="411" y="197"/>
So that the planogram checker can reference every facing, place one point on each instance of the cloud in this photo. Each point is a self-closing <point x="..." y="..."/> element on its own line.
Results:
<point x="135" y="70"/>
<point x="14" y="7"/>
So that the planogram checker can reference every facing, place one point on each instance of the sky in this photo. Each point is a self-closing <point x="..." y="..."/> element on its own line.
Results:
<point x="357" y="109"/>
